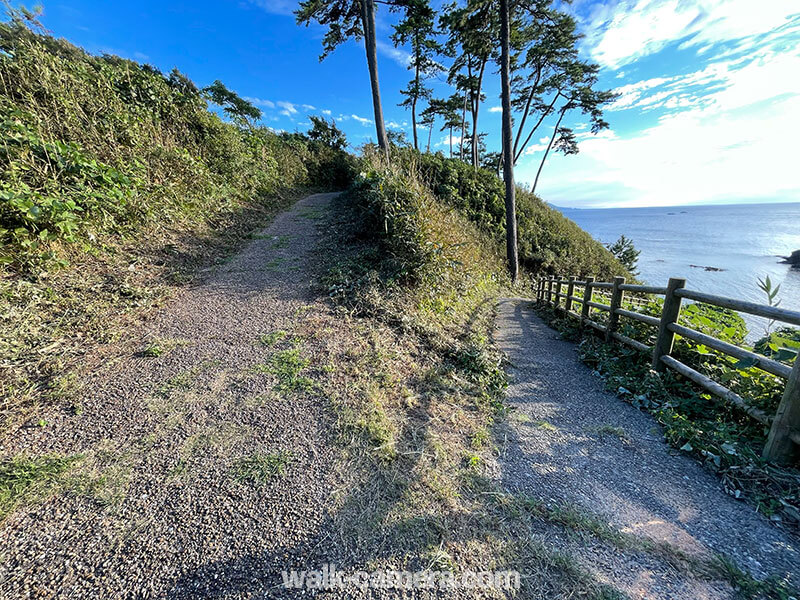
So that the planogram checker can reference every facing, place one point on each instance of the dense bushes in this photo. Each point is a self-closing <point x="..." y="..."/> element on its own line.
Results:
<point x="426" y="241"/>
<point x="548" y="241"/>
<point x="95" y="147"/>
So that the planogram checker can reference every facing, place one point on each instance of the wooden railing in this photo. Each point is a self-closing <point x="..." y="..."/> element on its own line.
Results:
<point x="783" y="442"/>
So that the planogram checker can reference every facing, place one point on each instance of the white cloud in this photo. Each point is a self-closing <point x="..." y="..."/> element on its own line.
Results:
<point x="496" y="109"/>
<point x="308" y="107"/>
<point x="362" y="120"/>
<point x="398" y="55"/>
<point x="725" y="84"/>
<point x="619" y="33"/>
<point x="260" y="102"/>
<point x="394" y="125"/>
<point x="289" y="109"/>
<point x="697" y="156"/>
<point x="326" y="112"/>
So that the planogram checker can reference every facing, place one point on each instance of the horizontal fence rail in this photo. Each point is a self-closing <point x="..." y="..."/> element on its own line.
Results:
<point x="783" y="442"/>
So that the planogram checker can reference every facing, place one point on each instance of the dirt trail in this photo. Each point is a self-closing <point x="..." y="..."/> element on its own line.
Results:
<point x="213" y="452"/>
<point x="572" y="442"/>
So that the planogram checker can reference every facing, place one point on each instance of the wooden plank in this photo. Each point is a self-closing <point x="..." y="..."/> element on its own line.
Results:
<point x="603" y="285"/>
<point x="639" y="317"/>
<point x="644" y="289"/>
<point x="570" y="291"/>
<point x="599" y="306"/>
<point x="761" y="310"/>
<point x="577" y="299"/>
<point x="596" y="325"/>
<point x="631" y="342"/>
<point x="762" y="362"/>
<point x="587" y="298"/>
<point x="616" y="302"/>
<point x="669" y="314"/>
<point x="783" y="442"/>
<point x="716" y="389"/>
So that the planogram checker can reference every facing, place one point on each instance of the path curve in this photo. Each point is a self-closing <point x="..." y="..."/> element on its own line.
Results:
<point x="640" y="484"/>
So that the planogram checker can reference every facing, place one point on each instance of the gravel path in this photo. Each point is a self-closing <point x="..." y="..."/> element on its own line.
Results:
<point x="561" y="449"/>
<point x="175" y="514"/>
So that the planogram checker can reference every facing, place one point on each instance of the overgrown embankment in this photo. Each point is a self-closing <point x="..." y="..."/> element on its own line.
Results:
<point x="548" y="241"/>
<point x="116" y="182"/>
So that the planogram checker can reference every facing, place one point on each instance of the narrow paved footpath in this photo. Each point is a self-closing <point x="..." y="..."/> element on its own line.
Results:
<point x="210" y="457"/>
<point x="574" y="443"/>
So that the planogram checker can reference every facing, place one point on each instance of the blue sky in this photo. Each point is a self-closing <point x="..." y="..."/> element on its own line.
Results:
<point x="708" y="112"/>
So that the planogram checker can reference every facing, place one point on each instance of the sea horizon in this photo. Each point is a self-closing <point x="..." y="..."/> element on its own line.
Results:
<point x="722" y="249"/>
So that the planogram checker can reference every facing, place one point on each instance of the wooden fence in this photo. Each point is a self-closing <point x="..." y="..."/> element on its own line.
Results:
<point x="783" y="443"/>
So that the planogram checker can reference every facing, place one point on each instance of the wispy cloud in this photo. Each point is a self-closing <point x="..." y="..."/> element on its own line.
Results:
<point x="260" y="102"/>
<point x="398" y="55"/>
<point x="496" y="109"/>
<point x="362" y="120"/>
<point x="289" y="109"/>
<point x="618" y="33"/>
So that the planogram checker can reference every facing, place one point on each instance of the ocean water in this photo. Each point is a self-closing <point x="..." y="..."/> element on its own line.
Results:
<point x="745" y="241"/>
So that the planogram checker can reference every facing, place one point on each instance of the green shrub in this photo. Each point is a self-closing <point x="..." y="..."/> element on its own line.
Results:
<point x="548" y="241"/>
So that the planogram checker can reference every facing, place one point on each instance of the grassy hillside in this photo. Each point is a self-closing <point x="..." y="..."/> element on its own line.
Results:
<point x="117" y="182"/>
<point x="548" y="241"/>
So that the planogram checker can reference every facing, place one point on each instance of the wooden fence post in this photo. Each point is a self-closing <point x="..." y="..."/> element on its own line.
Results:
<point x="587" y="297"/>
<point x="556" y="297"/>
<point x="616" y="302"/>
<point x="550" y="290"/>
<point x="669" y="315"/>
<point x="570" y="291"/>
<point x="780" y="447"/>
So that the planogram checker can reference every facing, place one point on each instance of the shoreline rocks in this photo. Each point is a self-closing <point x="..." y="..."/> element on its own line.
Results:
<point x="793" y="259"/>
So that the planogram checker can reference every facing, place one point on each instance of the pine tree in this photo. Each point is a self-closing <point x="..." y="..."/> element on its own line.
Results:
<point x="348" y="19"/>
<point x="417" y="29"/>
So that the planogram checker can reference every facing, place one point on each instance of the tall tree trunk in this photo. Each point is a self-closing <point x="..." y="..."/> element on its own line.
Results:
<point x="546" y="152"/>
<point x="476" y="105"/>
<point x="430" y="133"/>
<point x="463" y="128"/>
<point x="451" y="141"/>
<point x="414" y="100"/>
<point x="414" y="122"/>
<point x="508" y="165"/>
<point x="368" y="22"/>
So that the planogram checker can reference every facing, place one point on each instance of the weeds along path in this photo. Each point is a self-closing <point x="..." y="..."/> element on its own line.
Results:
<point x="198" y="452"/>
<point x="579" y="453"/>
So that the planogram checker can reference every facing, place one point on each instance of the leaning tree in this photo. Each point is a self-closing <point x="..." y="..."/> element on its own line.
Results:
<point x="351" y="19"/>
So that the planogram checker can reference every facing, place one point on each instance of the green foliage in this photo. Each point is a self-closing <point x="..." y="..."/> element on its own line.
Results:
<point x="626" y="253"/>
<point x="548" y="241"/>
<point x="233" y="105"/>
<point x="26" y="479"/>
<point x="327" y="133"/>
<point x="783" y="344"/>
<point x="94" y="148"/>
<point x="261" y="468"/>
